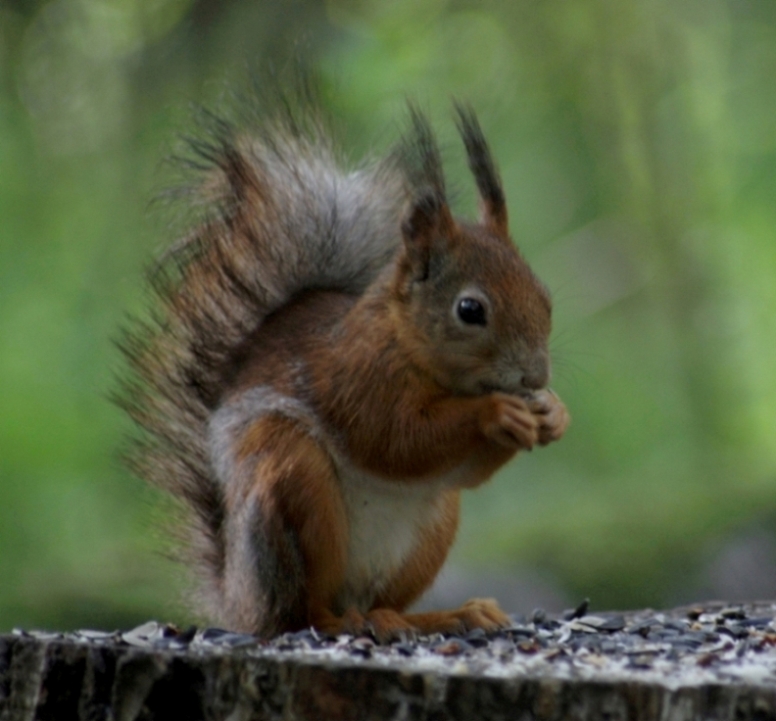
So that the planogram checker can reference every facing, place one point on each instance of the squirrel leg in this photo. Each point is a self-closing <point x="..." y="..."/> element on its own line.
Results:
<point x="302" y="518"/>
<point x="387" y="620"/>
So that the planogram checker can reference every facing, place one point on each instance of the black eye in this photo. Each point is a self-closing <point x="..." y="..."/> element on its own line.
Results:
<point x="471" y="311"/>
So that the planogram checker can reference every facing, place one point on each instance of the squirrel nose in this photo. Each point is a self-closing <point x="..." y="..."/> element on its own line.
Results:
<point x="536" y="373"/>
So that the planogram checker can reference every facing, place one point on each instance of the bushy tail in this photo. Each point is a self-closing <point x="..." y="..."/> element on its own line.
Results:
<point x="280" y="216"/>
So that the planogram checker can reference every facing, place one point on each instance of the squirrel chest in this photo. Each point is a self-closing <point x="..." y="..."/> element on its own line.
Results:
<point x="388" y="521"/>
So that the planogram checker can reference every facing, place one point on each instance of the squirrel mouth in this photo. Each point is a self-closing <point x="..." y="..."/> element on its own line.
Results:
<point x="509" y="388"/>
<point x="512" y="388"/>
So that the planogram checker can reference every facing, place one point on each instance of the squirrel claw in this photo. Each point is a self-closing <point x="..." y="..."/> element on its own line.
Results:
<point x="387" y="625"/>
<point x="482" y="613"/>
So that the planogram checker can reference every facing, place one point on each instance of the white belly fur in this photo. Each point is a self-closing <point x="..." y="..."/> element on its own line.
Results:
<point x="384" y="518"/>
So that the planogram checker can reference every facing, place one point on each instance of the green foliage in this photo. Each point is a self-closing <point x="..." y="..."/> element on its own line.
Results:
<point x="638" y="147"/>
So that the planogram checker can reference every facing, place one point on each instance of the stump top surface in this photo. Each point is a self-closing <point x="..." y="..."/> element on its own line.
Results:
<point x="711" y="643"/>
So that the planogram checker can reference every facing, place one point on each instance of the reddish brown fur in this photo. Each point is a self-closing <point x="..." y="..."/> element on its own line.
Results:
<point x="362" y="366"/>
<point x="295" y="481"/>
<point x="372" y="356"/>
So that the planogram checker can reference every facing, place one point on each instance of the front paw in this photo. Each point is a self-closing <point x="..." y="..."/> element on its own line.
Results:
<point x="551" y="416"/>
<point x="509" y="421"/>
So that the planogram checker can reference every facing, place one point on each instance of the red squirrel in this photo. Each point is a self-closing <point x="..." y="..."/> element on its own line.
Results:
<point x="332" y="358"/>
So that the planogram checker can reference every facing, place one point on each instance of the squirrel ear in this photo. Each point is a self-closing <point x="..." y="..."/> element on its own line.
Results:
<point x="428" y="221"/>
<point x="484" y="170"/>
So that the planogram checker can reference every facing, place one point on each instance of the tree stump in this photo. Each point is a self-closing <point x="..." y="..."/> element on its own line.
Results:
<point x="711" y="661"/>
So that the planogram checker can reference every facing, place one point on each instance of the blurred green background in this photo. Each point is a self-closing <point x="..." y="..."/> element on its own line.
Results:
<point x="637" y="141"/>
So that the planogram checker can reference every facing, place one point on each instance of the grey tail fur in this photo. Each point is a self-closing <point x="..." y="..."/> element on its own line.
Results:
<point x="281" y="215"/>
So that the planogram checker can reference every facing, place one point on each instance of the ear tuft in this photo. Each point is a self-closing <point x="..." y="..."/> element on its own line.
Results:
<point x="484" y="169"/>
<point x="420" y="157"/>
<point x="429" y="220"/>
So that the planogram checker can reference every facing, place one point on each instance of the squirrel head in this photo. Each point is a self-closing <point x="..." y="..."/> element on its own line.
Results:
<point x="474" y="314"/>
